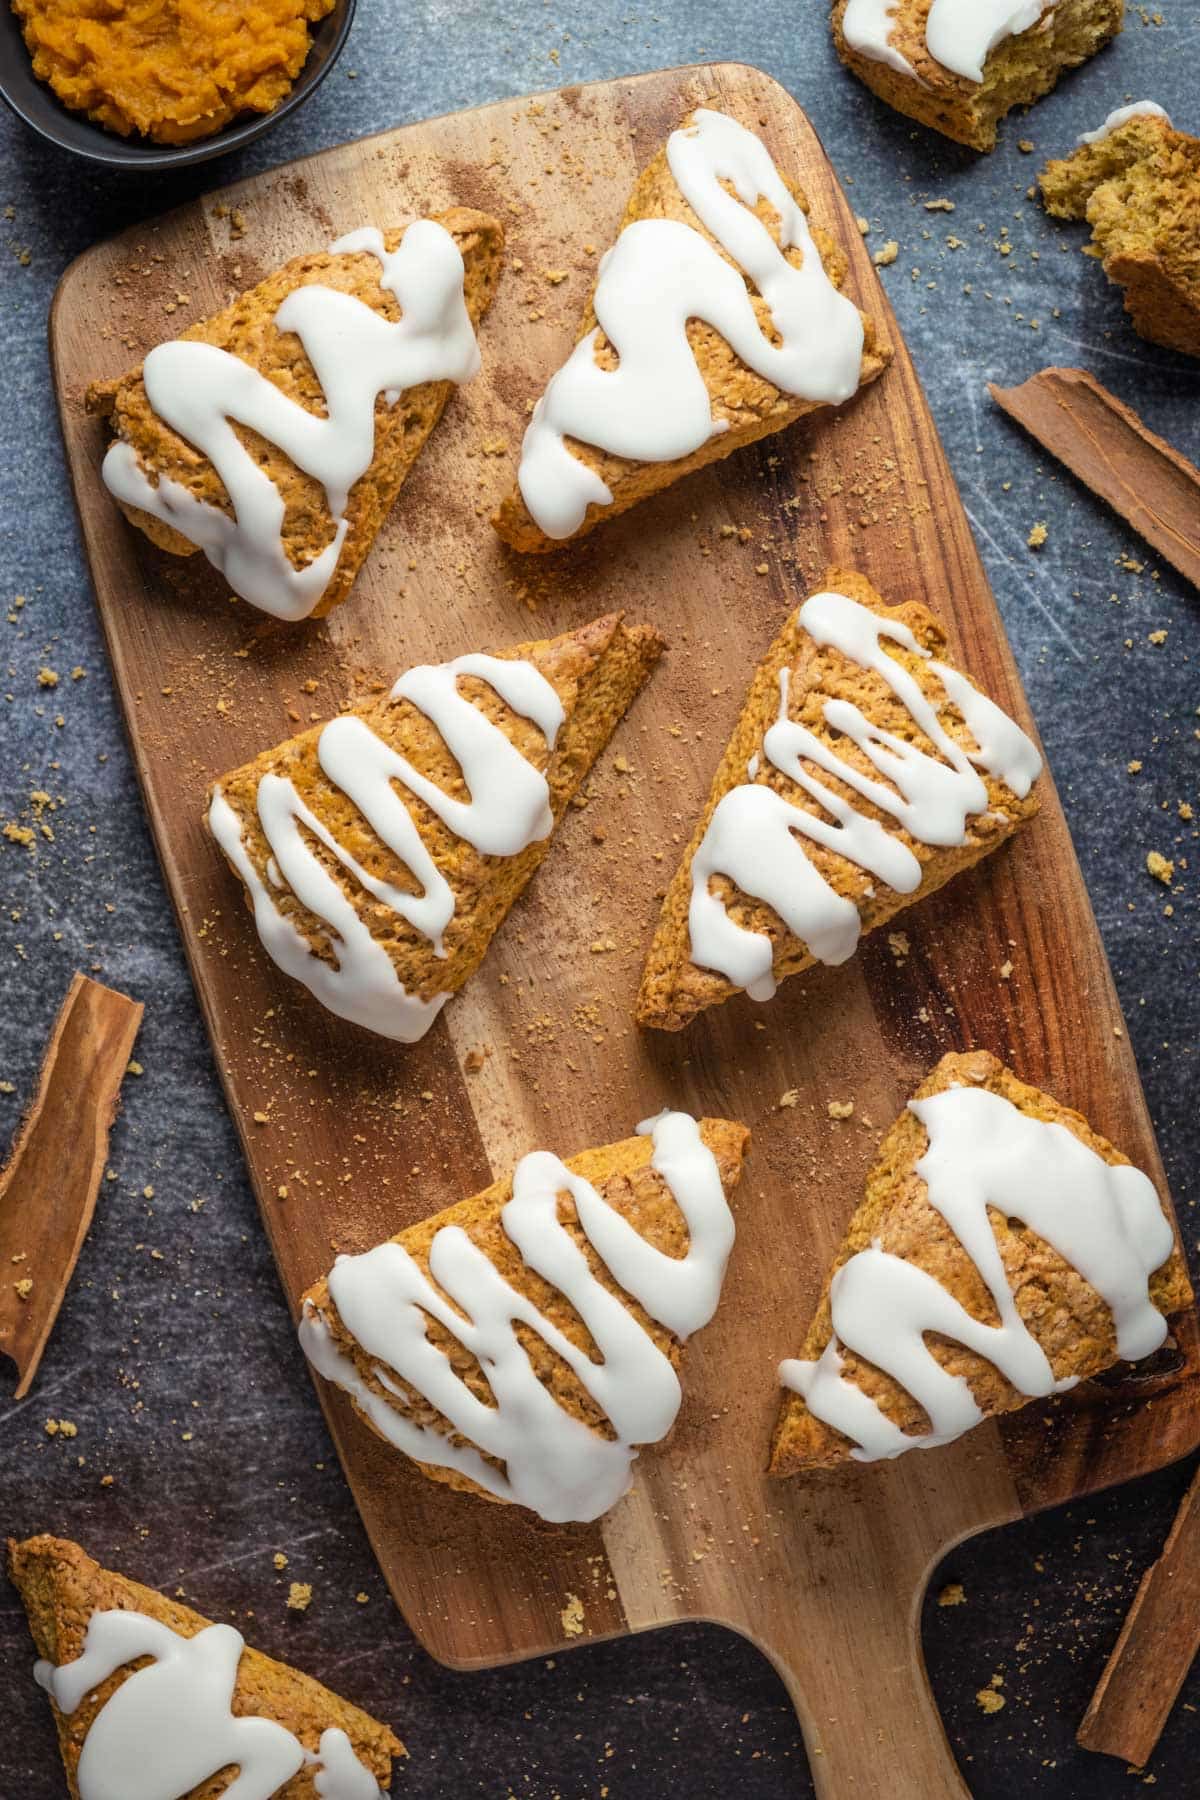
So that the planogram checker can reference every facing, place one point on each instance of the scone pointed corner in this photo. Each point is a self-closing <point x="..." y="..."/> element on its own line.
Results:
<point x="581" y="483"/>
<point x="1060" y="1316"/>
<point x="801" y="848"/>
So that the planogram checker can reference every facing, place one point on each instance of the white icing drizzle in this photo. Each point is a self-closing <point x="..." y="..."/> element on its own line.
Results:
<point x="1106" y="1221"/>
<point x="198" y="389"/>
<point x="959" y="34"/>
<point x="753" y="835"/>
<point x="170" y="1726"/>
<point x="1141" y="109"/>
<point x="507" y="809"/>
<point x="654" y="406"/>
<point x="550" y="1461"/>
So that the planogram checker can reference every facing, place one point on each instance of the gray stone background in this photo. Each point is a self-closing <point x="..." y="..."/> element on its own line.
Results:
<point x="173" y="1355"/>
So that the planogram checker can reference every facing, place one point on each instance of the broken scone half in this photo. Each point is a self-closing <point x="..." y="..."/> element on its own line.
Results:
<point x="381" y="851"/>
<point x="1003" y="1252"/>
<point x="1136" y="180"/>
<point x="522" y="1344"/>
<point x="959" y="66"/>
<point x="134" y="1676"/>
<point x="865" y="771"/>
<point x="716" y="319"/>
<point x="276" y="435"/>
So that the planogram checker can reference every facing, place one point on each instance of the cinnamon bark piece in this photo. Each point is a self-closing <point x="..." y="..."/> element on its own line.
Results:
<point x="1158" y="1643"/>
<point x="48" y="1188"/>
<point x="1104" y="443"/>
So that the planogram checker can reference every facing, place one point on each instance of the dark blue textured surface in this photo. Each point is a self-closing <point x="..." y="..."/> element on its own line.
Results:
<point x="173" y="1355"/>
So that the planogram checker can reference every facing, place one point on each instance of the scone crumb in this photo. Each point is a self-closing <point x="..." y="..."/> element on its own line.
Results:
<point x="300" y="1596"/>
<point x="886" y="254"/>
<point x="1161" y="867"/>
<point x="989" y="1701"/>
<point x="841" y="1109"/>
<point x="1006" y="970"/>
<point x="953" y="1594"/>
<point x="791" y="1098"/>
<point x="280" y="1560"/>
<point x="571" y="1617"/>
<point x="1037" y="535"/>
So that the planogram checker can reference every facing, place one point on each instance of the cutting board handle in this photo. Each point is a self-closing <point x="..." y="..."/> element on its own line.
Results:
<point x="856" y="1675"/>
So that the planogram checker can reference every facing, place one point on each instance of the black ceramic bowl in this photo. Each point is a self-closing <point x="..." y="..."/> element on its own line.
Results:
<point x="36" y="103"/>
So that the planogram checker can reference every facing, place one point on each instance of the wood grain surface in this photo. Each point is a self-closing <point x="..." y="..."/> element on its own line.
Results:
<point x="358" y="1137"/>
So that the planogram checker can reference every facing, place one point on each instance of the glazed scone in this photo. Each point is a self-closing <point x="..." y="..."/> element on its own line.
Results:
<point x="863" y="773"/>
<point x="1137" y="183"/>
<point x="522" y="1344"/>
<point x="715" y="320"/>
<point x="381" y="851"/>
<point x="1003" y="1251"/>
<point x="276" y="435"/>
<point x="94" y="1631"/>
<point x="959" y="66"/>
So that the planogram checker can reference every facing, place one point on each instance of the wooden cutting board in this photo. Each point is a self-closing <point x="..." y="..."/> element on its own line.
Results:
<point x="349" y="1138"/>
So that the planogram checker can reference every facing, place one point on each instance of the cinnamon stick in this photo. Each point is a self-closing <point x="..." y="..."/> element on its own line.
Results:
<point x="1158" y="1642"/>
<point x="1104" y="443"/>
<point x="48" y="1188"/>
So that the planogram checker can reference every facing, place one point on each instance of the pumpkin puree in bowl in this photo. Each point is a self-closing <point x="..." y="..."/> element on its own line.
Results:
<point x="174" y="70"/>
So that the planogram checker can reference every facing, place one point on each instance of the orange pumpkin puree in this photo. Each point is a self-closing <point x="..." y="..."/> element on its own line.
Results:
<point x="173" y="70"/>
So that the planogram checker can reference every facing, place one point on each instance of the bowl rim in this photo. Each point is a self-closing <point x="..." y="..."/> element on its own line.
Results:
<point x="135" y="154"/>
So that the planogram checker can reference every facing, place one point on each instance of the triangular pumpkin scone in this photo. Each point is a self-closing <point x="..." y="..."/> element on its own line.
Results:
<point x="864" y="772"/>
<point x="522" y="1344"/>
<point x="716" y="319"/>
<point x="381" y="851"/>
<point x="275" y="436"/>
<point x="135" y="1676"/>
<point x="1003" y="1252"/>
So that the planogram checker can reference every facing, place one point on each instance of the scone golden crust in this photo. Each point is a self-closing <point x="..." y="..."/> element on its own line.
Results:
<point x="675" y="987"/>
<point x="594" y="672"/>
<point x="247" y="329"/>
<point x="61" y="1587"/>
<point x="623" y="1176"/>
<point x="1139" y="190"/>
<point x="1016" y="72"/>
<point x="1061" y="1310"/>
<point x="747" y="405"/>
